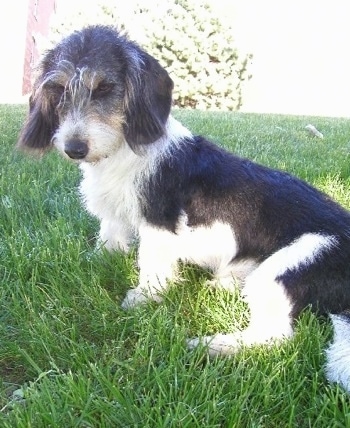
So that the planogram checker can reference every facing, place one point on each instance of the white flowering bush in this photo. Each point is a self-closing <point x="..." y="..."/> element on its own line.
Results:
<point x="189" y="40"/>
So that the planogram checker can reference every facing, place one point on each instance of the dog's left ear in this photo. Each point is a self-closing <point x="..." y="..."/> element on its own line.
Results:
<point x="147" y="102"/>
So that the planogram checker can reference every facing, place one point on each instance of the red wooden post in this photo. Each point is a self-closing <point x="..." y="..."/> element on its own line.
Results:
<point x="38" y="23"/>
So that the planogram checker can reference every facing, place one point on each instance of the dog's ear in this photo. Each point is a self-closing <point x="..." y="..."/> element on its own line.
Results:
<point x="41" y="122"/>
<point x="147" y="103"/>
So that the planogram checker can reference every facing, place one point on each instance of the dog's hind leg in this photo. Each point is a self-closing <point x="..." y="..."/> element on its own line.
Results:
<point x="270" y="319"/>
<point x="269" y="303"/>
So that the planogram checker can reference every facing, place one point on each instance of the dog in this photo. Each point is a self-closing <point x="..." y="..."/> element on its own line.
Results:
<point x="105" y="103"/>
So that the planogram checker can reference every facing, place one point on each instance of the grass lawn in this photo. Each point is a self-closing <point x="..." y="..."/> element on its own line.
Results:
<point x="71" y="357"/>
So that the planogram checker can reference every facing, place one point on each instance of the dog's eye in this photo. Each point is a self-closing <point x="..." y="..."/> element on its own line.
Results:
<point x="103" y="88"/>
<point x="60" y="90"/>
<point x="54" y="88"/>
<point x="56" y="92"/>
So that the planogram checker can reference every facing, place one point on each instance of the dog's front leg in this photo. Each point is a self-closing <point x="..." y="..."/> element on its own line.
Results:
<point x="157" y="262"/>
<point x="115" y="235"/>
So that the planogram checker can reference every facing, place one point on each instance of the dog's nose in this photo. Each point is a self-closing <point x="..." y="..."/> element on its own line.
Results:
<point x="76" y="149"/>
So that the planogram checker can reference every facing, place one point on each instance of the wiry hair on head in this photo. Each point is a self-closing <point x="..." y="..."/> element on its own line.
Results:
<point x="98" y="73"/>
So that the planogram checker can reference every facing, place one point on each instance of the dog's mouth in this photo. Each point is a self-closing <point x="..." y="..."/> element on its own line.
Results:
<point x="76" y="149"/>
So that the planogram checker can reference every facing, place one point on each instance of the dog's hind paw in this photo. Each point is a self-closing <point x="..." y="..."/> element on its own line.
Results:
<point x="220" y="344"/>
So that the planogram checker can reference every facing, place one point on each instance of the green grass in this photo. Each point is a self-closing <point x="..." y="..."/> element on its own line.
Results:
<point x="71" y="357"/>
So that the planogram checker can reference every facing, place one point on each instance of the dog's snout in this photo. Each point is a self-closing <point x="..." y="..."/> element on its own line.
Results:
<point x="76" y="149"/>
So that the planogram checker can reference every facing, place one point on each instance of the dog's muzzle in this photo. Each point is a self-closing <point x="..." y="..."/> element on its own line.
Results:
<point x="76" y="149"/>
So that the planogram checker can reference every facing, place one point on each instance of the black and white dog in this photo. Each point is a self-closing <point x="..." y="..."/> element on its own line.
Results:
<point x="105" y="103"/>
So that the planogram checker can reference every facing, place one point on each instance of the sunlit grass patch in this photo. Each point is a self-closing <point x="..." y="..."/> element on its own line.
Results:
<point x="71" y="357"/>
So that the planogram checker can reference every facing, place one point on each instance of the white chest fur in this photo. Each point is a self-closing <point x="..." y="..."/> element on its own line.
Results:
<point x="110" y="188"/>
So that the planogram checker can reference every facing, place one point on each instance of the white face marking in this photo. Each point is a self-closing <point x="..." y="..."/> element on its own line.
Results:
<point x="102" y="139"/>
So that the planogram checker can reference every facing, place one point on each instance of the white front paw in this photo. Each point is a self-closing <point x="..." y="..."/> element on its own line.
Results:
<point x="220" y="344"/>
<point x="134" y="298"/>
<point x="138" y="296"/>
<point x="228" y="284"/>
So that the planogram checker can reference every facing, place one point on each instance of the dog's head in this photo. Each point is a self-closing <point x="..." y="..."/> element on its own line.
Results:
<point x="96" y="90"/>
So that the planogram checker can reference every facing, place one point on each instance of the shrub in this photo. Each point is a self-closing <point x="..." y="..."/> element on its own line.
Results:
<point x="193" y="44"/>
<point x="199" y="53"/>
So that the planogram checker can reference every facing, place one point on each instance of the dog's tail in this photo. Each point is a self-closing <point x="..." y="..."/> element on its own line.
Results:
<point x="338" y="353"/>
